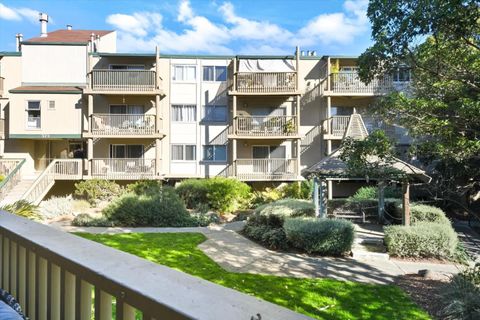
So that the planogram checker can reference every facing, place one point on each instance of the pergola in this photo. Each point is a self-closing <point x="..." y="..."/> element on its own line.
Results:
<point x="333" y="168"/>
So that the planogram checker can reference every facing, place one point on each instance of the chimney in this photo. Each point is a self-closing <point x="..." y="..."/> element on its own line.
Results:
<point x="69" y="27"/>
<point x="92" y="42"/>
<point x="43" y="24"/>
<point x="19" y="38"/>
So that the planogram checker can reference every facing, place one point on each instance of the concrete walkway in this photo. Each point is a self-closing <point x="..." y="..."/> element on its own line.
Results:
<point x="469" y="238"/>
<point x="238" y="254"/>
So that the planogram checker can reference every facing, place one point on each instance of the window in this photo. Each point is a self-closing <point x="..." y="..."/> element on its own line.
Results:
<point x="119" y="151"/>
<point x="402" y="74"/>
<point x="215" y="153"/>
<point x="183" y="152"/>
<point x="184" y="113"/>
<point x="215" y="113"/>
<point x="214" y="73"/>
<point x="184" y="73"/>
<point x="124" y="109"/>
<point x="51" y="105"/>
<point x="127" y="67"/>
<point x="33" y="115"/>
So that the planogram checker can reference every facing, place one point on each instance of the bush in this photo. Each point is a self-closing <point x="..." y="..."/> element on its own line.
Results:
<point x="462" y="295"/>
<point x="287" y="208"/>
<point x="221" y="194"/>
<point x="266" y="196"/>
<point x="421" y="240"/>
<point x="56" y="206"/>
<point x="322" y="236"/>
<point x="85" y="220"/>
<point x="203" y="219"/>
<point x="297" y="190"/>
<point x="426" y="213"/>
<point x="371" y="193"/>
<point x="163" y="210"/>
<point x="266" y="229"/>
<point x="22" y="208"/>
<point x="145" y="187"/>
<point x="96" y="190"/>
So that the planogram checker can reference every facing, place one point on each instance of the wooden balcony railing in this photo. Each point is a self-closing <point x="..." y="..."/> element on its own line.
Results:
<point x="1" y="86"/>
<point x="122" y="124"/>
<point x="350" y="83"/>
<point x="10" y="170"/>
<point x="266" y="169"/>
<point x="58" y="169"/>
<point x="123" y="80"/>
<point x="337" y="125"/>
<point x="123" y="169"/>
<point x="266" y="82"/>
<point x="57" y="275"/>
<point x="265" y="126"/>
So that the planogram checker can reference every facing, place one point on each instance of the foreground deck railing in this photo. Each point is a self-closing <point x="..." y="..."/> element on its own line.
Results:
<point x="126" y="168"/>
<point x="351" y="83"/>
<point x="266" y="169"/>
<point x="123" y="124"/>
<point x="123" y="80"/>
<point x="265" y="82"/>
<point x="58" y="169"/>
<point x="265" y="126"/>
<point x="56" y="275"/>
<point x="10" y="169"/>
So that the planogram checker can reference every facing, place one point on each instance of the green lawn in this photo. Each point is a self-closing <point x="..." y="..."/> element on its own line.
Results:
<point x="318" y="298"/>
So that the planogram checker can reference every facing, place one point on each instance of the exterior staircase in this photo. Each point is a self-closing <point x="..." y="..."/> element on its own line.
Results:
<point x="19" y="189"/>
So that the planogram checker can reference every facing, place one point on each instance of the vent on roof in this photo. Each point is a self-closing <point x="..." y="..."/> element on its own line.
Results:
<point x="43" y="24"/>
<point x="19" y="39"/>
<point x="69" y="27"/>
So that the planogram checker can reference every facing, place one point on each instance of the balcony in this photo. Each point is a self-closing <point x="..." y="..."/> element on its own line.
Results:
<point x="350" y="84"/>
<point x="124" y="168"/>
<point x="123" y="82"/>
<point x="336" y="127"/>
<point x="264" y="127"/>
<point x="1" y="86"/>
<point x="123" y="125"/>
<point x="264" y="83"/>
<point x="266" y="169"/>
<point x="57" y="275"/>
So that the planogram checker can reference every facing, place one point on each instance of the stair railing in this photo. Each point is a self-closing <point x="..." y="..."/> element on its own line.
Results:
<point x="12" y="177"/>
<point x="57" y="169"/>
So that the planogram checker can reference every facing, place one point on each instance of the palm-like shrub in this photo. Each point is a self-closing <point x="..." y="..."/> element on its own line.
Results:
<point x="22" y="208"/>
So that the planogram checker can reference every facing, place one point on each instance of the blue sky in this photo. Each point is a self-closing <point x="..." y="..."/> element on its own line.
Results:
<point x="206" y="26"/>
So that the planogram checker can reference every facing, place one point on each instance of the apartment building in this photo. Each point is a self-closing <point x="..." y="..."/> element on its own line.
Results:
<point x="74" y="108"/>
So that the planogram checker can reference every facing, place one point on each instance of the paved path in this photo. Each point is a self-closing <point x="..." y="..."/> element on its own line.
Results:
<point x="469" y="238"/>
<point x="238" y="254"/>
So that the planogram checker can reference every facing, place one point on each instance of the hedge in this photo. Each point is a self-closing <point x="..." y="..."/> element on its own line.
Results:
<point x="322" y="236"/>
<point x="421" y="240"/>
<point x="426" y="213"/>
<point x="287" y="208"/>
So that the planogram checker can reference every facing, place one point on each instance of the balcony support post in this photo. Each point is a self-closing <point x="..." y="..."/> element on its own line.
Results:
<point x="299" y="165"/>
<point x="234" y="75"/>
<point x="234" y="156"/>
<point x="89" y="155"/>
<point x="329" y="70"/>
<point x="329" y="115"/>
<point x="158" y="113"/>
<point x="234" y="114"/>
<point x="90" y="112"/>
<point x="297" y="60"/>
<point x="157" y="68"/>
<point x="158" y="156"/>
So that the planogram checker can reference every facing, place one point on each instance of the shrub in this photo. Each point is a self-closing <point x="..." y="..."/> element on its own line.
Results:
<point x="266" y="229"/>
<point x="287" y="208"/>
<point x="297" y="190"/>
<point x="462" y="295"/>
<point x="426" y="213"/>
<point x="322" y="236"/>
<point x="371" y="193"/>
<point x="2" y="177"/>
<point x="266" y="196"/>
<point x="203" y="219"/>
<point x="56" y="206"/>
<point x="221" y="194"/>
<point x="96" y="190"/>
<point x="85" y="220"/>
<point x="163" y="210"/>
<point x="145" y="187"/>
<point x="22" y="208"/>
<point x="421" y="240"/>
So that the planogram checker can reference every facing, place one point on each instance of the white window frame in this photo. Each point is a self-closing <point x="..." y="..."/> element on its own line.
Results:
<point x="204" y="119"/>
<point x="214" y="147"/>
<point x="184" y="153"/>
<point x="39" y="110"/>
<point x="184" y="66"/>
<point x="396" y="75"/>
<point x="125" y="145"/>
<point x="183" y="105"/>
<point x="214" y="73"/>
<point x="127" y="65"/>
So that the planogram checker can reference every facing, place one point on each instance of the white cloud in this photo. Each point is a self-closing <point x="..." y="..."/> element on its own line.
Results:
<point x="143" y="30"/>
<point x="18" y="14"/>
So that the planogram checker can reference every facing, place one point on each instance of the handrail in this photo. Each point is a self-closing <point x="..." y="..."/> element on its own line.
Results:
<point x="11" y="178"/>
<point x="265" y="125"/>
<point x="57" y="275"/>
<point x="122" y="124"/>
<point x="266" y="169"/>
<point x="265" y="82"/>
<point x="123" y="80"/>
<point x="349" y="82"/>
<point x="124" y="168"/>
<point x="62" y="169"/>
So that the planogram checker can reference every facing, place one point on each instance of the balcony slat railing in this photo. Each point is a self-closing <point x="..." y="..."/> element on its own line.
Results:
<point x="57" y="275"/>
<point x="265" y="126"/>
<point x="266" y="169"/>
<point x="122" y="124"/>
<point x="337" y="125"/>
<point x="123" y="80"/>
<point x="349" y="82"/>
<point x="125" y="168"/>
<point x="266" y="82"/>
<point x="58" y="169"/>
<point x="10" y="169"/>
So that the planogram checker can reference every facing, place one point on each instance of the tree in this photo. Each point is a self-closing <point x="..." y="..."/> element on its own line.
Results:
<point x="440" y="41"/>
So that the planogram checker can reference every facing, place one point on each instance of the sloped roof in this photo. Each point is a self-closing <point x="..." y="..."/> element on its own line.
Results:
<point x="68" y="36"/>
<point x="46" y="89"/>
